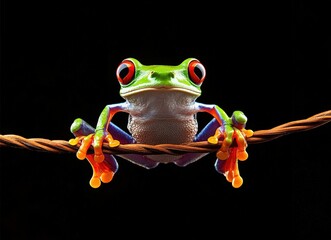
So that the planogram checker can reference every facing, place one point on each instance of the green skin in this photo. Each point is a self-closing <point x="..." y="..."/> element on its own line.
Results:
<point x="163" y="76"/>
<point x="162" y="97"/>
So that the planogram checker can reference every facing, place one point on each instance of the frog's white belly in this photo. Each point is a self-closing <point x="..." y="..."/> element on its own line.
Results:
<point x="158" y="117"/>
<point x="158" y="131"/>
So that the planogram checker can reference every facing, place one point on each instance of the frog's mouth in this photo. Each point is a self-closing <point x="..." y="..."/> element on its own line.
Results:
<point x="163" y="89"/>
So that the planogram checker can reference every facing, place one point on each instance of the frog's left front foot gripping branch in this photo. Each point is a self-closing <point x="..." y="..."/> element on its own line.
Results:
<point x="233" y="147"/>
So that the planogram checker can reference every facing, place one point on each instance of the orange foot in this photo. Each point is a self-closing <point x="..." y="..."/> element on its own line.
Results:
<point x="103" y="166"/>
<point x="228" y="156"/>
<point x="102" y="172"/>
<point x="229" y="168"/>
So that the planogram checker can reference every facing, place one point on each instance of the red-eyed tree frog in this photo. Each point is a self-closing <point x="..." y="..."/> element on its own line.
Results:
<point x="162" y="108"/>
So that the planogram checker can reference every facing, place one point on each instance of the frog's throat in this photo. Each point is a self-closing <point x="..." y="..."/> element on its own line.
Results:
<point x="188" y="91"/>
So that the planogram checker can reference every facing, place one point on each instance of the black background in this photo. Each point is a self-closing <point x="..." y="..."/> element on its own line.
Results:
<point x="269" y="59"/>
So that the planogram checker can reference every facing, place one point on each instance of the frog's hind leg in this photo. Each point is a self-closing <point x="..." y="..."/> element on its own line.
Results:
<point x="228" y="167"/>
<point x="205" y="133"/>
<point x="104" y="171"/>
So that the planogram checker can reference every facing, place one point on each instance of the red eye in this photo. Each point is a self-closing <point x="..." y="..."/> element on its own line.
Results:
<point x="197" y="72"/>
<point x="125" y="72"/>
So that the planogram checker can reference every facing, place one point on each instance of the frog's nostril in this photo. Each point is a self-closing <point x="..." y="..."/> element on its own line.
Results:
<point x="162" y="75"/>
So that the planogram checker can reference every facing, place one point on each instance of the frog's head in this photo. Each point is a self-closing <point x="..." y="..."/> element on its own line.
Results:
<point x="135" y="77"/>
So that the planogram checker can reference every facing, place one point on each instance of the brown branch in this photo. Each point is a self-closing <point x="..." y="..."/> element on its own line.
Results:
<point x="260" y="136"/>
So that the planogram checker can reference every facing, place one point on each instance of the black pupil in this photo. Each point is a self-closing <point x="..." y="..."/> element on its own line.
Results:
<point x="198" y="71"/>
<point x="124" y="70"/>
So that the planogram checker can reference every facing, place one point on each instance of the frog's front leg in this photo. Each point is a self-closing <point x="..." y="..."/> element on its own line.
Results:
<point x="233" y="134"/>
<point x="104" y="171"/>
<point x="98" y="135"/>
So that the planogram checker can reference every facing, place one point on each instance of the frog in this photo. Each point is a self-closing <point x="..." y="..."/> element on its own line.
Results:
<point x="162" y="107"/>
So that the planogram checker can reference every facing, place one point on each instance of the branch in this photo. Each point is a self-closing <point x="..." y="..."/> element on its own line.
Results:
<point x="260" y="136"/>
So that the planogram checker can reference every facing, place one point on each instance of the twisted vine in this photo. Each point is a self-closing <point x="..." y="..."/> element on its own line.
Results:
<point x="260" y="136"/>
